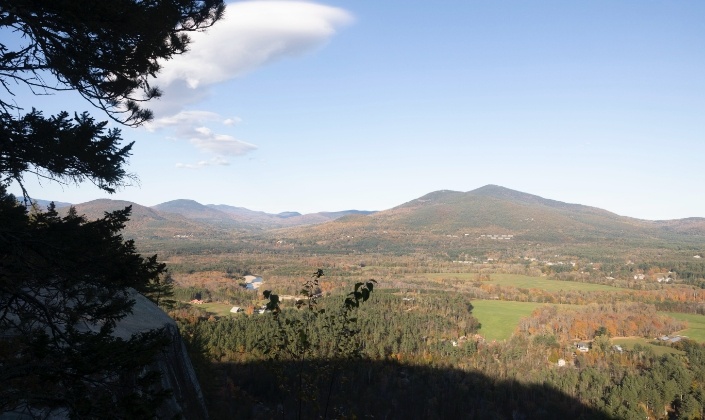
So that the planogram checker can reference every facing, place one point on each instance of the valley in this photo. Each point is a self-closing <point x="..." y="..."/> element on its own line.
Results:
<point x="533" y="306"/>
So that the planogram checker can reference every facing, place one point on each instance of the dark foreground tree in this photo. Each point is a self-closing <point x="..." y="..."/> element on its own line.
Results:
<point x="66" y="282"/>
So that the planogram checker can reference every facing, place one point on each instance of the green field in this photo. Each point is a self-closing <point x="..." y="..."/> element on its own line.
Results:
<point x="528" y="282"/>
<point x="628" y="344"/>
<point x="500" y="318"/>
<point x="216" y="308"/>
<point x="696" y="325"/>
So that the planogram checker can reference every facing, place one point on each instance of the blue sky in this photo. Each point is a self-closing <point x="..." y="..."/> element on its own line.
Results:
<point x="300" y="106"/>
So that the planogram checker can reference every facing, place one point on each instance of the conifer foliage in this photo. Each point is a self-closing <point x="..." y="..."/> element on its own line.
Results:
<point x="66" y="282"/>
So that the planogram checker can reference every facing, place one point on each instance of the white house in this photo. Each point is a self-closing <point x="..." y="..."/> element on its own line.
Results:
<point x="582" y="347"/>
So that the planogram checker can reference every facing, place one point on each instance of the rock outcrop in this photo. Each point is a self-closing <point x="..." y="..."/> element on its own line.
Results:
<point x="174" y="364"/>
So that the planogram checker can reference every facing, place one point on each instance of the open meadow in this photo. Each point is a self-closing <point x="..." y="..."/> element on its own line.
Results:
<point x="217" y="309"/>
<point x="528" y="282"/>
<point x="628" y="343"/>
<point x="696" y="325"/>
<point x="500" y="318"/>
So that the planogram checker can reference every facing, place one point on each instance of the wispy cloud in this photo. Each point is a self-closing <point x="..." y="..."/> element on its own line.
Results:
<point x="217" y="161"/>
<point x="189" y="118"/>
<point x="192" y="126"/>
<point x="221" y="144"/>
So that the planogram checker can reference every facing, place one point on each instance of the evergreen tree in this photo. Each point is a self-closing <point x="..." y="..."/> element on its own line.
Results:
<point x="66" y="282"/>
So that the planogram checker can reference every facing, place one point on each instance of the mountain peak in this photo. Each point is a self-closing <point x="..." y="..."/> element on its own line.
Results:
<point x="439" y="195"/>
<point x="497" y="191"/>
<point x="190" y="209"/>
<point x="182" y="202"/>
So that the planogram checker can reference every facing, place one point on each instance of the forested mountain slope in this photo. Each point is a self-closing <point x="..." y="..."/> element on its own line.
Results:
<point x="499" y="214"/>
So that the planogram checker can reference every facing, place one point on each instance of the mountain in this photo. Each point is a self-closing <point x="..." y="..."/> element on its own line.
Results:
<point x="146" y="223"/>
<point x="437" y="220"/>
<point x="248" y="217"/>
<point x="493" y="208"/>
<point x="192" y="220"/>
<point x="96" y="209"/>
<point x="194" y="210"/>
<point x="483" y="215"/>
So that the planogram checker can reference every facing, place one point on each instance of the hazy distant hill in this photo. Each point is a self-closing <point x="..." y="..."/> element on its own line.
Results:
<point x="249" y="217"/>
<point x="264" y="220"/>
<point x="229" y="216"/>
<point x="43" y="204"/>
<point x="146" y="222"/>
<point x="189" y="208"/>
<point x="194" y="210"/>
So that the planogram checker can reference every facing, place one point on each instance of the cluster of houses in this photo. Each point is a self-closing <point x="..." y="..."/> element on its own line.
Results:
<point x="584" y="347"/>
<point x="661" y="278"/>
<point x="236" y="309"/>
<point x="497" y="237"/>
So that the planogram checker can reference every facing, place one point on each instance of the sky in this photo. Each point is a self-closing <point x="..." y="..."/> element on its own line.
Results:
<point x="337" y="105"/>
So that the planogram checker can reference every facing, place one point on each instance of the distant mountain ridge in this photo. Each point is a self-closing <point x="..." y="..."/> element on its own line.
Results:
<point x="491" y="209"/>
<point x="226" y="215"/>
<point x="145" y="222"/>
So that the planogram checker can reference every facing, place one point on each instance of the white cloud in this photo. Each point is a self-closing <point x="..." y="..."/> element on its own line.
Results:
<point x="250" y="35"/>
<point x="221" y="144"/>
<point x="191" y="126"/>
<point x="217" y="161"/>
<point x="188" y="118"/>
<point x="232" y="121"/>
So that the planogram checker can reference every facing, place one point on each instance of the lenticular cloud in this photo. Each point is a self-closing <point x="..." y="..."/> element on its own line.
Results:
<point x="250" y="35"/>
